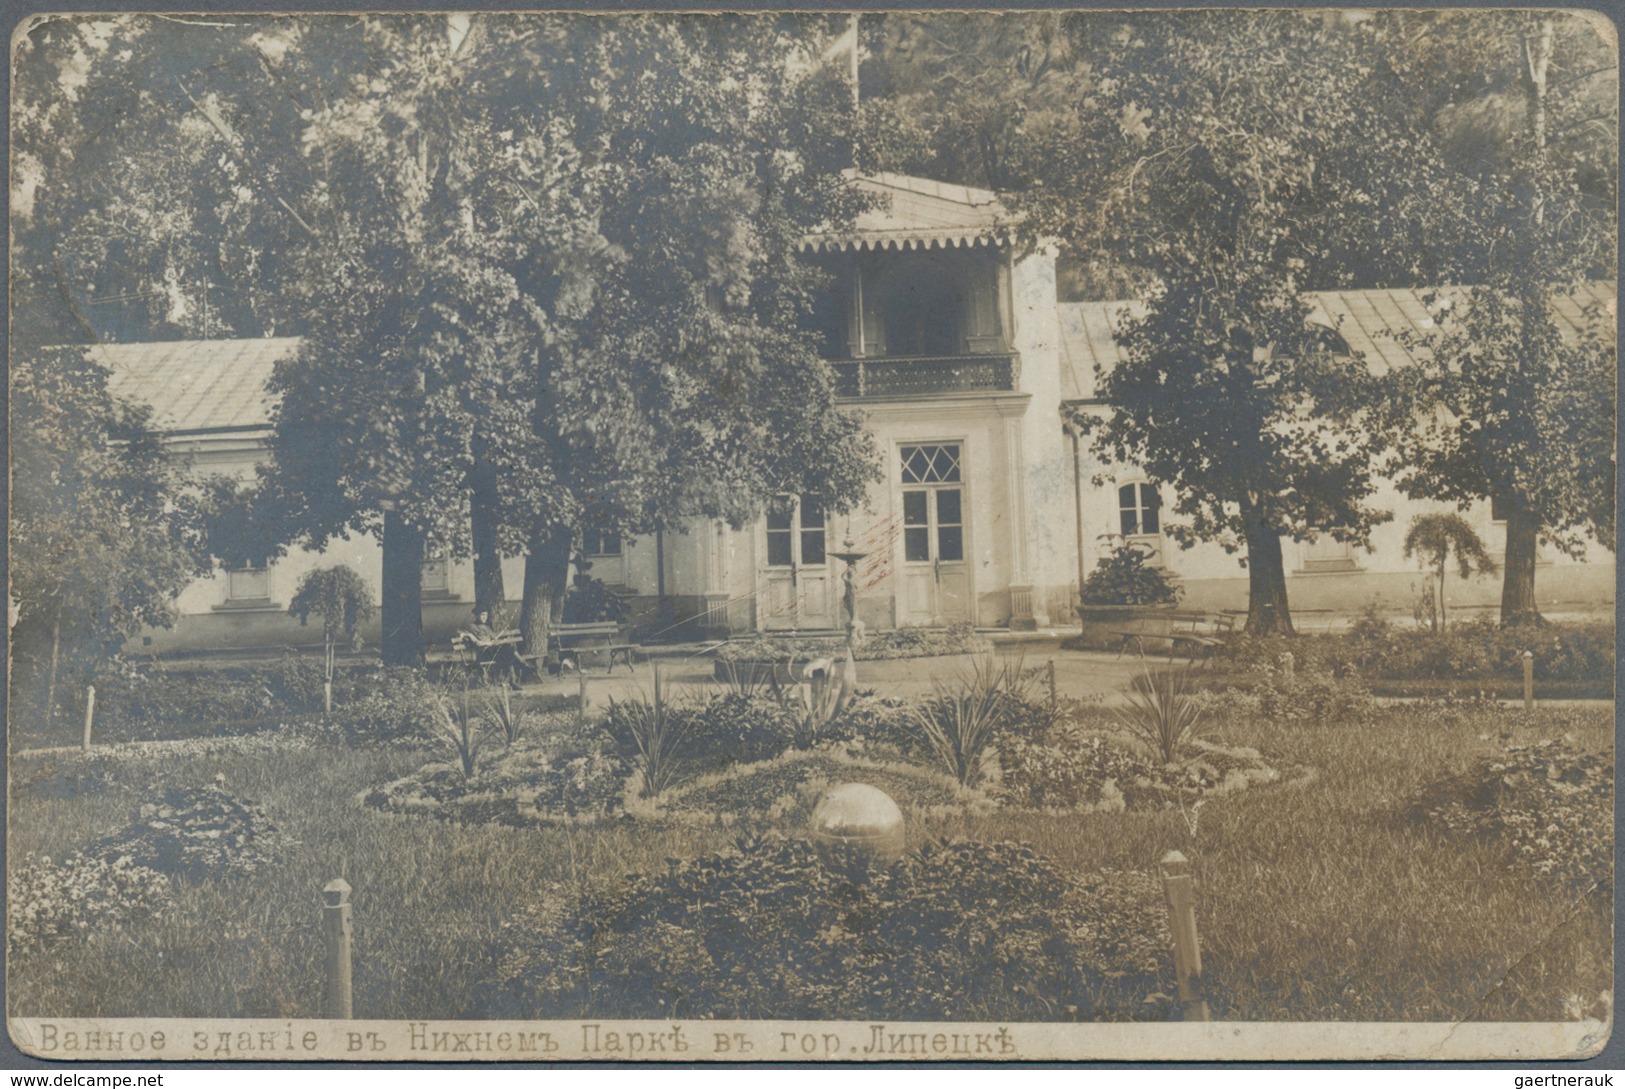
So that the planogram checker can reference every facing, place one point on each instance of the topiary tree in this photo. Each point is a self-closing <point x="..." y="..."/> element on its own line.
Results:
<point x="343" y="600"/>
<point x="1434" y="537"/>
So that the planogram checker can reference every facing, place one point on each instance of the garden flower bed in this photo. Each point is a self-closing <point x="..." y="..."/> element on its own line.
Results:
<point x="1073" y="770"/>
<point x="547" y="777"/>
<point x="1549" y="805"/>
<point x="783" y="791"/>
<point x="960" y="931"/>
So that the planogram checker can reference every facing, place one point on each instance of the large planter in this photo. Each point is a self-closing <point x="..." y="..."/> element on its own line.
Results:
<point x="753" y="671"/>
<point x="1101" y="625"/>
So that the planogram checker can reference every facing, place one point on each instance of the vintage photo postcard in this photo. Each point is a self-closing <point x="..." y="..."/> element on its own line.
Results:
<point x="784" y="537"/>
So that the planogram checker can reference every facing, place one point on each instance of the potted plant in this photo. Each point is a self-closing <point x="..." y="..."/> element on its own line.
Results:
<point x="1120" y="591"/>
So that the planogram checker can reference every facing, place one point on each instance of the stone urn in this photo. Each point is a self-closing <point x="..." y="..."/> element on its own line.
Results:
<point x="857" y="828"/>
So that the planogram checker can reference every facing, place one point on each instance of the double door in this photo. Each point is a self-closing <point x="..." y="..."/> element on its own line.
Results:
<point x="798" y="586"/>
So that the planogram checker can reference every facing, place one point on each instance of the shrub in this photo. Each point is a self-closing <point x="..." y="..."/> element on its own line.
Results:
<point x="135" y="704"/>
<point x="197" y="833"/>
<point x="1067" y="770"/>
<point x="1314" y="696"/>
<point x="294" y="684"/>
<point x="871" y="719"/>
<point x="1473" y="650"/>
<point x="714" y="730"/>
<point x="959" y="931"/>
<point x="1123" y="578"/>
<point x="1549" y="804"/>
<point x="1076" y="769"/>
<point x="590" y="600"/>
<point x="397" y="704"/>
<point x="48" y="903"/>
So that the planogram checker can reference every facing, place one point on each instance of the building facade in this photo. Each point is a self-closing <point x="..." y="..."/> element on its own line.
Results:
<point x="947" y="337"/>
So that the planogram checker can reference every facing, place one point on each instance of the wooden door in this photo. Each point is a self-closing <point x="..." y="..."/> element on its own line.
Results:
<point x="797" y="586"/>
<point x="936" y="582"/>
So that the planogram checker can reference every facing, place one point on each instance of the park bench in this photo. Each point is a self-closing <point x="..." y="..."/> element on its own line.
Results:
<point x="1194" y="633"/>
<point x="499" y="654"/>
<point x="599" y="637"/>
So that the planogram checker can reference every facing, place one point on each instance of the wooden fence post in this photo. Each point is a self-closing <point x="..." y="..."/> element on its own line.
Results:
<point x="1528" y="680"/>
<point x="1054" y="701"/>
<point x="90" y="713"/>
<point x="581" y="696"/>
<point x="336" y="926"/>
<point x="1179" y="888"/>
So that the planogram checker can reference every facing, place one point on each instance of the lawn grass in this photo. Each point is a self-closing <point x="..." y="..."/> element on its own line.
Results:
<point x="1316" y="902"/>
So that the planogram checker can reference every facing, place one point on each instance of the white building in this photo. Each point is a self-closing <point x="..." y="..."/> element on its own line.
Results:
<point x="951" y="343"/>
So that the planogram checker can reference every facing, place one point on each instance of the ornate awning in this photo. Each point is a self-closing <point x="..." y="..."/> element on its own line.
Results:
<point x="917" y="213"/>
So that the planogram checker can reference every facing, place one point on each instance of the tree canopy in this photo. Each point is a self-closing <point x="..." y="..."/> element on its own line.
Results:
<point x="543" y="265"/>
<point x="1231" y="157"/>
<point x="103" y="533"/>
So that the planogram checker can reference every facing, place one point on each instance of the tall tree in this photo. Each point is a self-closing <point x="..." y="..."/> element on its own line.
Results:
<point x="542" y="264"/>
<point x="1505" y="406"/>
<point x="102" y="533"/>
<point x="1229" y="157"/>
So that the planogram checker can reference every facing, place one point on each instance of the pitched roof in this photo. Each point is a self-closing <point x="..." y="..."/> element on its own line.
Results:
<point x="1367" y="320"/>
<point x="198" y="386"/>
<point x="915" y="212"/>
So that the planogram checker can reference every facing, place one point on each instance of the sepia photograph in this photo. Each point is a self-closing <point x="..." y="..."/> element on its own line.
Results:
<point x="894" y="536"/>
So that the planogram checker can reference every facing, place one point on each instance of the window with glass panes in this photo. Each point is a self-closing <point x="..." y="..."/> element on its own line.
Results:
<point x="1139" y="510"/>
<point x="933" y="503"/>
<point x="796" y="530"/>
<point x="600" y="542"/>
<point x="249" y="580"/>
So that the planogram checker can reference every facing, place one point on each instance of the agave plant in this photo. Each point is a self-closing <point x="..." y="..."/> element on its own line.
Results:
<point x="960" y="723"/>
<point x="463" y="727"/>
<point x="1162" y="713"/>
<point x="819" y="699"/>
<point x="656" y="735"/>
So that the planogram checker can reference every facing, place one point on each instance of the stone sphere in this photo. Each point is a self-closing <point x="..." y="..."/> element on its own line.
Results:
<point x="856" y="826"/>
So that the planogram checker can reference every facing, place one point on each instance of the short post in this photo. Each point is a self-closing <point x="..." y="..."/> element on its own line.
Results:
<point x="1528" y="684"/>
<point x="90" y="713"/>
<point x="1287" y="664"/>
<point x="327" y="697"/>
<point x="581" y="695"/>
<point x="1178" y="887"/>
<point x="1054" y="702"/>
<point x="336" y="926"/>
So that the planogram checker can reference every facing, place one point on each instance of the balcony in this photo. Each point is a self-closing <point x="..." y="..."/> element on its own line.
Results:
<point x="924" y="375"/>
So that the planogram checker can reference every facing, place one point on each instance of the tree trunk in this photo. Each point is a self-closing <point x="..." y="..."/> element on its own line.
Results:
<point x="547" y="577"/>
<point x="1518" y="578"/>
<point x="1267" y="611"/>
<point x="489" y="593"/>
<point x="401" y="604"/>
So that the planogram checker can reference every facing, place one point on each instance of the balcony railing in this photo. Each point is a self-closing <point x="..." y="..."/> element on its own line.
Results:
<point x="922" y="375"/>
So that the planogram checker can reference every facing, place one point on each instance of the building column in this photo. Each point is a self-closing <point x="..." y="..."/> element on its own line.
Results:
<point x="1026" y="613"/>
<point x="716" y="594"/>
